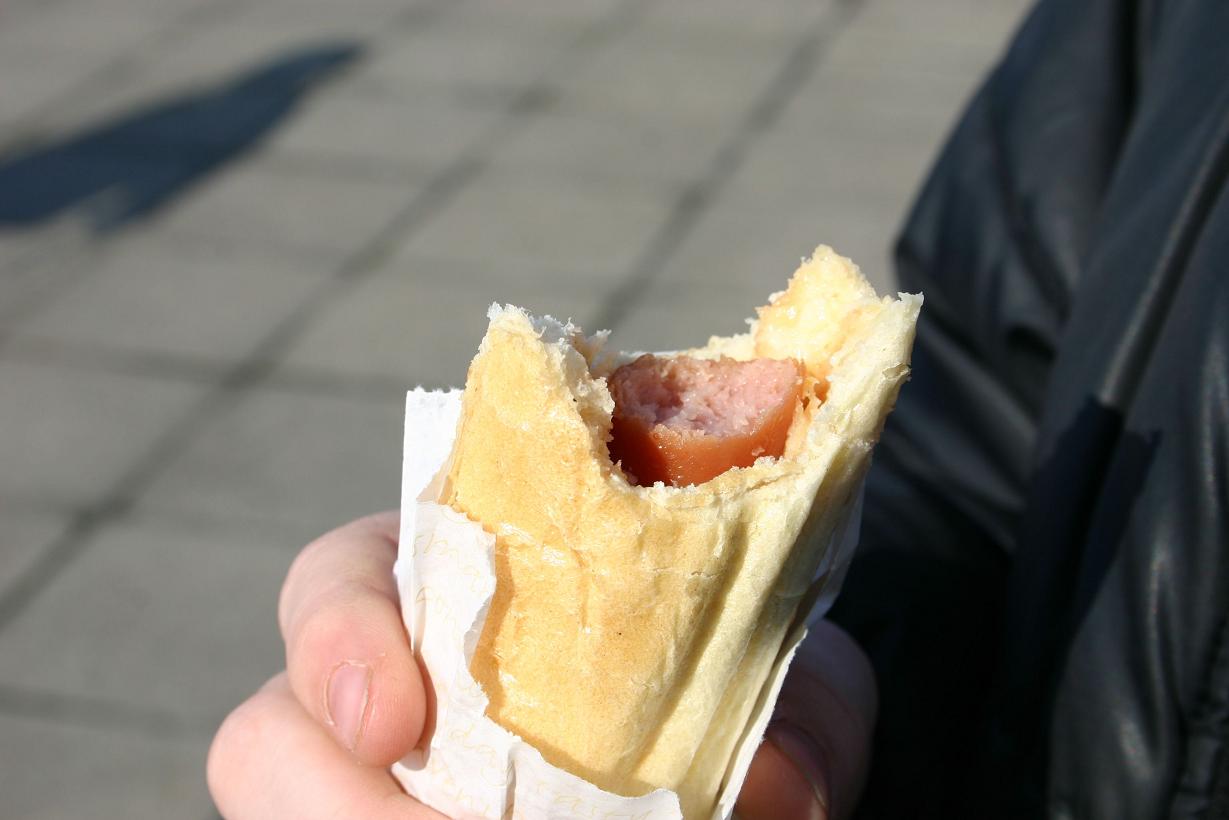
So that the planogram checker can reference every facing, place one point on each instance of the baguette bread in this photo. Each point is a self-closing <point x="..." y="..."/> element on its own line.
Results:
<point x="632" y="628"/>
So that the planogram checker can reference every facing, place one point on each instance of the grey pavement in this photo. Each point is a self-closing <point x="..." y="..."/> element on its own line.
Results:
<point x="232" y="234"/>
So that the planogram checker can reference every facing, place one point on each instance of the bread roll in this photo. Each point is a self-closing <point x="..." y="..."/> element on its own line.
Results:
<point x="632" y="628"/>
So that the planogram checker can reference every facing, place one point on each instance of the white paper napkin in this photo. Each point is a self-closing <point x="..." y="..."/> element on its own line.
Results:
<point x="471" y="767"/>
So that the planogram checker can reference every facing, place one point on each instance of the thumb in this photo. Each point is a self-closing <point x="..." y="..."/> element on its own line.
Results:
<point x="815" y="754"/>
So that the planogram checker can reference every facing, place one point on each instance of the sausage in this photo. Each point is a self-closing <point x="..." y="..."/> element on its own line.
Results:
<point x="683" y="420"/>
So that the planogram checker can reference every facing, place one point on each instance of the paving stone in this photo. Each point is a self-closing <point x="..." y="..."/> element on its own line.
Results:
<point x="902" y="71"/>
<point x="417" y="134"/>
<point x="870" y="175"/>
<point x="251" y="33"/>
<point x="419" y="322"/>
<point x="324" y="16"/>
<point x="68" y="434"/>
<point x="865" y="50"/>
<point x="982" y="22"/>
<point x="676" y="317"/>
<point x="460" y="57"/>
<point x="650" y="72"/>
<point x="769" y="24"/>
<point x="291" y="457"/>
<point x="148" y="295"/>
<point x="29" y="87"/>
<point x="162" y="10"/>
<point x="170" y="620"/>
<point x="308" y="208"/>
<point x="854" y="196"/>
<point x="74" y="34"/>
<point x="26" y="535"/>
<point x="749" y="243"/>
<point x="843" y="105"/>
<point x="528" y="219"/>
<point x="539" y="16"/>
<point x="50" y="771"/>
<point x="643" y="150"/>
<point x="37" y="261"/>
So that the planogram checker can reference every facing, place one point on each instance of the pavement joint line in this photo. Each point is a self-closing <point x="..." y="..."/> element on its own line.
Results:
<point x="696" y="199"/>
<point x="17" y="701"/>
<point x="46" y="351"/>
<point x="266" y="355"/>
<point x="194" y="369"/>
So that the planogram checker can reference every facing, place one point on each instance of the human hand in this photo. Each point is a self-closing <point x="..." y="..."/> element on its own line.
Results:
<point x="317" y="740"/>
<point x="814" y="757"/>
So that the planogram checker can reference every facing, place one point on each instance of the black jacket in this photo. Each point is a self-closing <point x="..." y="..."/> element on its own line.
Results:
<point x="1043" y="580"/>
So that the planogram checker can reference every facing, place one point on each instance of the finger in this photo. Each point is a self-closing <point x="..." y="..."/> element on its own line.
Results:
<point x="270" y="759"/>
<point x="817" y="750"/>
<point x="347" y="654"/>
<point x="778" y="787"/>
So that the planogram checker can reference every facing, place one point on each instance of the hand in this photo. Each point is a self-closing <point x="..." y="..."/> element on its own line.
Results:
<point x="813" y="760"/>
<point x="316" y="740"/>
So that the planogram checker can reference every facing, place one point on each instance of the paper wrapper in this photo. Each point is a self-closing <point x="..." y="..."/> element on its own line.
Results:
<point x="472" y="767"/>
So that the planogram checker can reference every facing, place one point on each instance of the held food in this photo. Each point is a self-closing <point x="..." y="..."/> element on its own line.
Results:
<point x="684" y="420"/>
<point x="646" y="579"/>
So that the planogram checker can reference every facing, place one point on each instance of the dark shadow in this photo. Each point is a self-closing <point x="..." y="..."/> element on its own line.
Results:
<point x="128" y="167"/>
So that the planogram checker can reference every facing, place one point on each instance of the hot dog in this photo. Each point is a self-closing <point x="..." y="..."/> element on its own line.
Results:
<point x="635" y="616"/>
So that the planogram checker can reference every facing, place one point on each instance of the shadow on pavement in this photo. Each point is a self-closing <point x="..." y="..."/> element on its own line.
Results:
<point x="124" y="169"/>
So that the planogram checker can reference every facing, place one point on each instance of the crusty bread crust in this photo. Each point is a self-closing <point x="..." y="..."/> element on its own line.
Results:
<point x="632" y="628"/>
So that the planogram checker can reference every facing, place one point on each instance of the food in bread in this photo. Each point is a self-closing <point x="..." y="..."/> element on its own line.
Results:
<point x="684" y="420"/>
<point x="632" y="627"/>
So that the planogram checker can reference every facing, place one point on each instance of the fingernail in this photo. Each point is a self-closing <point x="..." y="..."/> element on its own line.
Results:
<point x="807" y="758"/>
<point x="346" y="701"/>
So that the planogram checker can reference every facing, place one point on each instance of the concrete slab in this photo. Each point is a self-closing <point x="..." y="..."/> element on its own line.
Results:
<point x="312" y="209"/>
<point x="37" y="262"/>
<point x="203" y="299"/>
<point x="68" y="434"/>
<point x="671" y="316"/>
<point x="983" y="24"/>
<point x="52" y="770"/>
<point x="528" y="219"/>
<point x="26" y="535"/>
<point x="533" y="16"/>
<point x="170" y="621"/>
<point x="292" y="457"/>
<point x="769" y="24"/>
<point x="75" y="34"/>
<point x="419" y="321"/>
<point x="671" y="77"/>
<point x="492" y="51"/>
<point x="30" y="87"/>
<point x="750" y="241"/>
<point x="645" y="151"/>
<point x="381" y="135"/>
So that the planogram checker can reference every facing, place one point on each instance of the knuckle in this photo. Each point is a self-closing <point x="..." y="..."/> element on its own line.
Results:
<point x="299" y="573"/>
<point x="326" y="629"/>
<point x="244" y="733"/>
